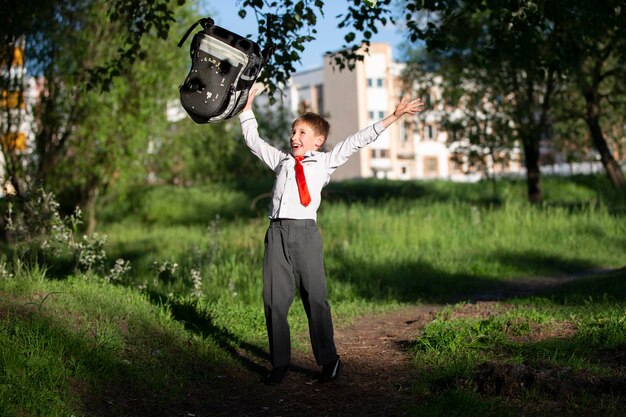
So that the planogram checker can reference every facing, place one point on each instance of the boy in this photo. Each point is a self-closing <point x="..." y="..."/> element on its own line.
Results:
<point x="293" y="245"/>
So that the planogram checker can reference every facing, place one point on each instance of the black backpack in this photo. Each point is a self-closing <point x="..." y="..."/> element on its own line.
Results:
<point x="224" y="67"/>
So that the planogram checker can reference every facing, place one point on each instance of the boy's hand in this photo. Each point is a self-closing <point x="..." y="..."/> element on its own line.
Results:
<point x="405" y="107"/>
<point x="251" y="96"/>
<point x="408" y="107"/>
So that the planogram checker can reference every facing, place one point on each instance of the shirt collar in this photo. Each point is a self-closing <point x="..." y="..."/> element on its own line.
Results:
<point x="307" y="154"/>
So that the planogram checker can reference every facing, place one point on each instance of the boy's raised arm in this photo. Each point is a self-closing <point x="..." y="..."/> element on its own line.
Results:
<point x="263" y="150"/>
<point x="251" y="96"/>
<point x="404" y="107"/>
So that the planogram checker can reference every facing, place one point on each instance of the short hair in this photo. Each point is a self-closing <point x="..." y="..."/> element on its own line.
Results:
<point x="315" y="121"/>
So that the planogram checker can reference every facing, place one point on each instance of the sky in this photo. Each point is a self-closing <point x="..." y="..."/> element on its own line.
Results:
<point x="328" y="37"/>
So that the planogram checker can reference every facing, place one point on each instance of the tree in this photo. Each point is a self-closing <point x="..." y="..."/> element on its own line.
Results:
<point x="57" y="34"/>
<point x="49" y="33"/>
<point x="109" y="136"/>
<point x="88" y="139"/>
<point x="505" y="47"/>
<point x="593" y="36"/>
<point x="532" y="50"/>
<point x="480" y="133"/>
<point x="188" y="153"/>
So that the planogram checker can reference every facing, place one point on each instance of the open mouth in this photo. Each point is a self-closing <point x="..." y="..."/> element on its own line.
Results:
<point x="295" y="146"/>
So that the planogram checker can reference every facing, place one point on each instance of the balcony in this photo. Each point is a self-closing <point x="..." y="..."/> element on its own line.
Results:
<point x="405" y="154"/>
<point x="380" y="164"/>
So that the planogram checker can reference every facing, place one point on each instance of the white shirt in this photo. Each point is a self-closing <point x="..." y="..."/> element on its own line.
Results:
<point x="318" y="167"/>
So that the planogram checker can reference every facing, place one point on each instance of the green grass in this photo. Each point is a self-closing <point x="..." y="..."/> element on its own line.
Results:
<point x="430" y="242"/>
<point x="65" y="344"/>
<point x="438" y="251"/>
<point x="66" y="339"/>
<point x="561" y="345"/>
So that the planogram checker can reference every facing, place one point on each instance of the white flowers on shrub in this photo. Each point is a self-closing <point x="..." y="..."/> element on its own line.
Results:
<point x="90" y="252"/>
<point x="37" y="226"/>
<point x="4" y="272"/>
<point x="232" y="288"/>
<point x="196" y="281"/>
<point x="119" y="271"/>
<point x="164" y="271"/>
<point x="38" y="221"/>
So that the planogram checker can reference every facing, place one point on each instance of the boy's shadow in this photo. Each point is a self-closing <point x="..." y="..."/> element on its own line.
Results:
<point x="201" y="323"/>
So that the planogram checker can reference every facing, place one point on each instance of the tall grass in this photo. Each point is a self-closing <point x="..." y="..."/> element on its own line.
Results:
<point x="384" y="241"/>
<point x="427" y="250"/>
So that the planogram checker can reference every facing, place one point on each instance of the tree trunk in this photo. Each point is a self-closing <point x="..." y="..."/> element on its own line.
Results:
<point x="90" y="208"/>
<point x="533" y="174"/>
<point x="612" y="168"/>
<point x="533" y="182"/>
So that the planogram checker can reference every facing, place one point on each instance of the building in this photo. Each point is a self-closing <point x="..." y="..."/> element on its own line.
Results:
<point x="414" y="148"/>
<point x="16" y="98"/>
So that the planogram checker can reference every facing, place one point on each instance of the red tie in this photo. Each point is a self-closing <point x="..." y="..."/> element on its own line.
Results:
<point x="303" y="190"/>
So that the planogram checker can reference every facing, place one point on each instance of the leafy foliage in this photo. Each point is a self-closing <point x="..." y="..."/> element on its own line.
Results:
<point x="530" y="52"/>
<point x="289" y="25"/>
<point x="104" y="87"/>
<point x="139" y="19"/>
<point x="506" y="48"/>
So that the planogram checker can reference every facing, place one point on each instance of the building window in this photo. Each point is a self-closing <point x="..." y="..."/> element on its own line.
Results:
<point x="404" y="137"/>
<point x="304" y="106"/>
<point x="403" y="170"/>
<point x="379" y="153"/>
<point x="319" y="92"/>
<point x="13" y="141"/>
<point x="373" y="114"/>
<point x="377" y="82"/>
<point x="431" y="166"/>
<point x="12" y="100"/>
<point x="430" y="132"/>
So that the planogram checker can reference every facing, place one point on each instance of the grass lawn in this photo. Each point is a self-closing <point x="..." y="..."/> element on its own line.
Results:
<point x="68" y="338"/>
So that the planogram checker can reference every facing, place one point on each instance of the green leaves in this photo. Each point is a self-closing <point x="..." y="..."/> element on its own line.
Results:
<point x="140" y="18"/>
<point x="365" y="20"/>
<point x="287" y="26"/>
<point x="533" y="50"/>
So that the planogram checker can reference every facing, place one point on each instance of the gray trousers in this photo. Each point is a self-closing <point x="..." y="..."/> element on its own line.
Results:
<point x="293" y="257"/>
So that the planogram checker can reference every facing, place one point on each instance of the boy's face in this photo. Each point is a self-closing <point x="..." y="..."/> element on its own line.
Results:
<point x="304" y="139"/>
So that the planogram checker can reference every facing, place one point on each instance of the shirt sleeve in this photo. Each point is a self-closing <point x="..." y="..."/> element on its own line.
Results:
<point x="346" y="148"/>
<point x="270" y="155"/>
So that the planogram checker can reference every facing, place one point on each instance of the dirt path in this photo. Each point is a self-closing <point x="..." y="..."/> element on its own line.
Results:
<point x="376" y="379"/>
<point x="377" y="374"/>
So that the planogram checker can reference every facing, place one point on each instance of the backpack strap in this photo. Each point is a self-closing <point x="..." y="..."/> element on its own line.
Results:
<point x="267" y="52"/>
<point x="270" y="48"/>
<point x="206" y="23"/>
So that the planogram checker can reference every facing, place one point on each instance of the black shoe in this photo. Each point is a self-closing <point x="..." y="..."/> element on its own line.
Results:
<point x="331" y="371"/>
<point x="276" y="375"/>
